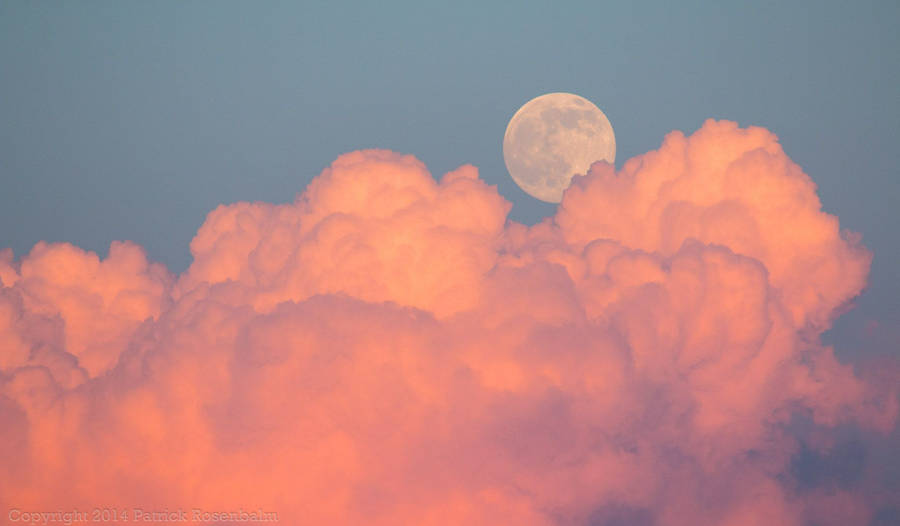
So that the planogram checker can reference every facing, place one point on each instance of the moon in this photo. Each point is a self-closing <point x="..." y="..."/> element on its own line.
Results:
<point x="553" y="137"/>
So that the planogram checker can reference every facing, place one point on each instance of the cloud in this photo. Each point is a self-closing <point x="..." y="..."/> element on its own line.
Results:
<point x="390" y="349"/>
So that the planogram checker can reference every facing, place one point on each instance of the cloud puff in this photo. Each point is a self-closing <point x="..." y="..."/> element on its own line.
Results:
<point x="390" y="349"/>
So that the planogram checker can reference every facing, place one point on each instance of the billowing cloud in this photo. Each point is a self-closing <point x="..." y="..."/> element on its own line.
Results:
<point x="390" y="349"/>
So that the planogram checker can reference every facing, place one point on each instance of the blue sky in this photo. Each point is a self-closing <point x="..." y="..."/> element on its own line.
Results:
<point x="132" y="120"/>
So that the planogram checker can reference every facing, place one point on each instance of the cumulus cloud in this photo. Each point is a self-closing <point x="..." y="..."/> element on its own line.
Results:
<point x="390" y="349"/>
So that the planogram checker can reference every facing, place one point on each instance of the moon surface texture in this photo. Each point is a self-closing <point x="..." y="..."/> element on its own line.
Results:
<point x="553" y="137"/>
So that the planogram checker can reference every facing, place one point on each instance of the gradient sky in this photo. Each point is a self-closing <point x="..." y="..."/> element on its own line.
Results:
<point x="133" y="120"/>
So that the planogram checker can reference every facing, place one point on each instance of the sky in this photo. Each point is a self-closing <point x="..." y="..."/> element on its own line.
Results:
<point x="135" y="121"/>
<point x="124" y="120"/>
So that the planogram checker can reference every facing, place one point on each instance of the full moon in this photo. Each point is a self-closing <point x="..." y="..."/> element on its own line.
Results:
<point x="553" y="137"/>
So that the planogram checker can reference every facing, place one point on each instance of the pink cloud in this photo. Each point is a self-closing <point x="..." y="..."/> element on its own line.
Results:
<point x="390" y="349"/>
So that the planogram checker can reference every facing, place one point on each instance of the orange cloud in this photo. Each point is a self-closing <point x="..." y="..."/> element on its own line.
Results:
<point x="390" y="349"/>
